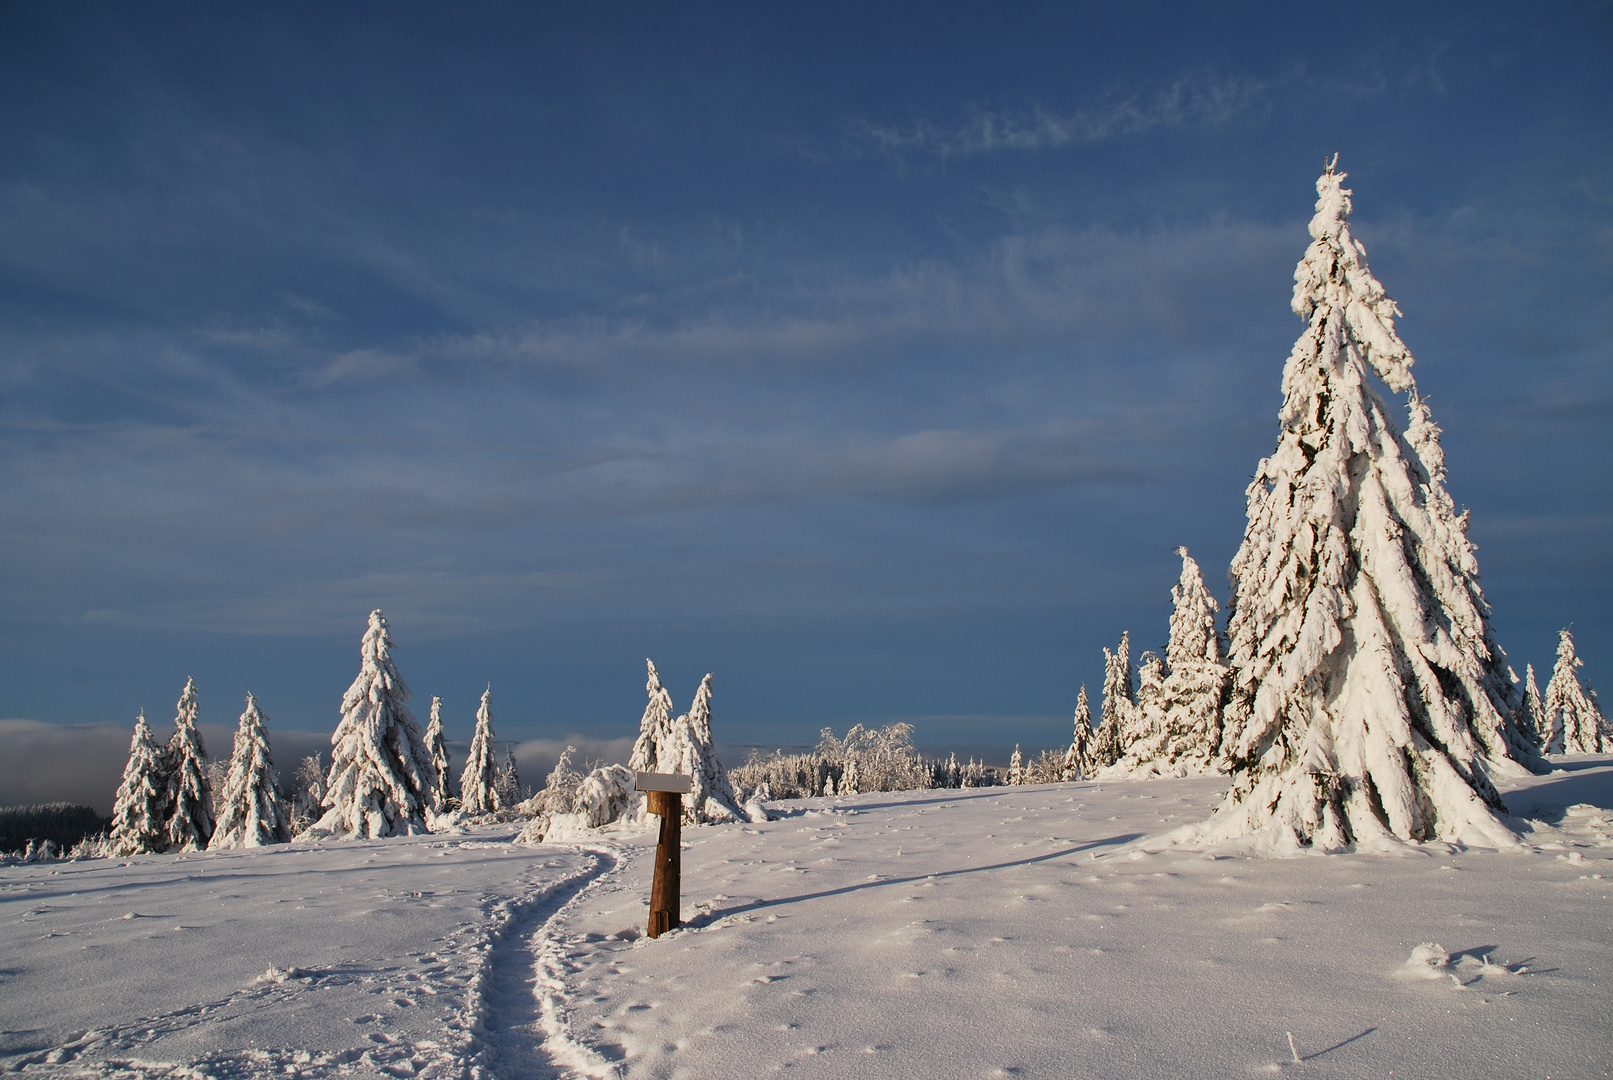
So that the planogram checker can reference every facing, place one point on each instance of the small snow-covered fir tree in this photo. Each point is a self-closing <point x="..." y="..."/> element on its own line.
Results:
<point x="442" y="798"/>
<point x="190" y="794"/>
<point x="1532" y="717"/>
<point x="251" y="812"/>
<point x="710" y="798"/>
<point x="1368" y="696"/>
<point x="140" y="810"/>
<point x="1078" y="759"/>
<point x="1181" y="730"/>
<point x="381" y="774"/>
<point x="1108" y="742"/>
<point x="652" y="751"/>
<point x="1571" y="714"/>
<point x="1016" y="767"/>
<point x="509" y="779"/>
<point x="478" y="785"/>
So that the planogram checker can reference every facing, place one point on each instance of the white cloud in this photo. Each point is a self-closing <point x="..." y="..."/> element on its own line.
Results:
<point x="1192" y="100"/>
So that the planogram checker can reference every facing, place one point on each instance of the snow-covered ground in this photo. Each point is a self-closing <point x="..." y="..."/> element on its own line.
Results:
<point x="991" y="932"/>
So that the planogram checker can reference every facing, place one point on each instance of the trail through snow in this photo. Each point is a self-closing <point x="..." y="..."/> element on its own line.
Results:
<point x="1003" y="932"/>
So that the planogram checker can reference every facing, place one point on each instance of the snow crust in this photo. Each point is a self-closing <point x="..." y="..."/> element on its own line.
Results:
<point x="1010" y="931"/>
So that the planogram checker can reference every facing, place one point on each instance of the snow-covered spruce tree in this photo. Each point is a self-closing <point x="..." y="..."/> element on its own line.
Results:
<point x="1078" y="759"/>
<point x="1532" y="716"/>
<point x="652" y="751"/>
<point x="1576" y="724"/>
<point x="710" y="798"/>
<point x="190" y="795"/>
<point x="1180" y="729"/>
<point x="251" y="812"/>
<point x="1368" y="697"/>
<point x="509" y="779"/>
<point x="381" y="775"/>
<point x="140" y="810"/>
<point x="1016" y="767"/>
<point x="442" y="794"/>
<point x="478" y="785"/>
<point x="1108" y="741"/>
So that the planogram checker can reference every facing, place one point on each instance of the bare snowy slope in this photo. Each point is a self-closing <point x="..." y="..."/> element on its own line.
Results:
<point x="1006" y="931"/>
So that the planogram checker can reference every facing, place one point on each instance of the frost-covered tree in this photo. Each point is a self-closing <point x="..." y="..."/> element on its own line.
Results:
<point x="190" y="794"/>
<point x="1181" y="728"/>
<point x="307" y="793"/>
<point x="1108" y="742"/>
<point x="442" y="794"/>
<point x="710" y="798"/>
<point x="478" y="785"/>
<point x="1532" y="717"/>
<point x="1571" y="714"/>
<point x="652" y="751"/>
<point x="140" y="810"/>
<point x="509" y="779"/>
<point x="1078" y="759"/>
<point x="251" y="812"/>
<point x="1368" y="696"/>
<point x="1016" y="767"/>
<point x="381" y="774"/>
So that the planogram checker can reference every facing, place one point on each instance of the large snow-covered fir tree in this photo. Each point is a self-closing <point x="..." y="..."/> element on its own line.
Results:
<point x="1572" y="718"/>
<point x="479" y="791"/>
<point x="710" y="798"/>
<point x="1078" y="759"/>
<point x="140" y="809"/>
<point x="1180" y="730"/>
<point x="190" y="794"/>
<point x="1368" y="696"/>
<point x="651" y="752"/>
<point x="251" y="812"/>
<point x="381" y="775"/>
<point x="1108" y="741"/>
<point x="443" y="798"/>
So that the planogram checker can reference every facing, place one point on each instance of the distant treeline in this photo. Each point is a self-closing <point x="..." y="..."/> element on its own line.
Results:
<point x="61" y="823"/>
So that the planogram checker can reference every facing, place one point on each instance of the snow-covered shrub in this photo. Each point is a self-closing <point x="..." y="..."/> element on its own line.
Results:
<point x="604" y="796"/>
<point x="190" y="795"/>
<point x="510" y="788"/>
<point x="307" y="793"/>
<point x="251" y="812"/>
<point x="140" y="809"/>
<point x="1575" y="723"/>
<point x="1357" y="623"/>
<point x="381" y="774"/>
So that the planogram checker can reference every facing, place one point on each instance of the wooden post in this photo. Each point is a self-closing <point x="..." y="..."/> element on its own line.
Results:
<point x="666" y="892"/>
<point x="666" y="889"/>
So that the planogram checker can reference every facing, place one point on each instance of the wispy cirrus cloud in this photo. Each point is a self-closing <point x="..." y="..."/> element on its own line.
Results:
<point x="1200" y="99"/>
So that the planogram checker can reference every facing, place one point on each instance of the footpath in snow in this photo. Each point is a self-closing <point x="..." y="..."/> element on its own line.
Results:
<point x="1015" y="932"/>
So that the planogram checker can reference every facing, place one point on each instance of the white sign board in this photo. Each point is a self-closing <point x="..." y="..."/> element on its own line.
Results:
<point x="661" y="781"/>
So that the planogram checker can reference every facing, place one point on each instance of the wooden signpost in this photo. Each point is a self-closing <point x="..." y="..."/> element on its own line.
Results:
<point x="665" y="798"/>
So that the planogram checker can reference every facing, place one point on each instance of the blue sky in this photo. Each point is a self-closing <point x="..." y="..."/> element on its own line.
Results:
<point x="873" y="358"/>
